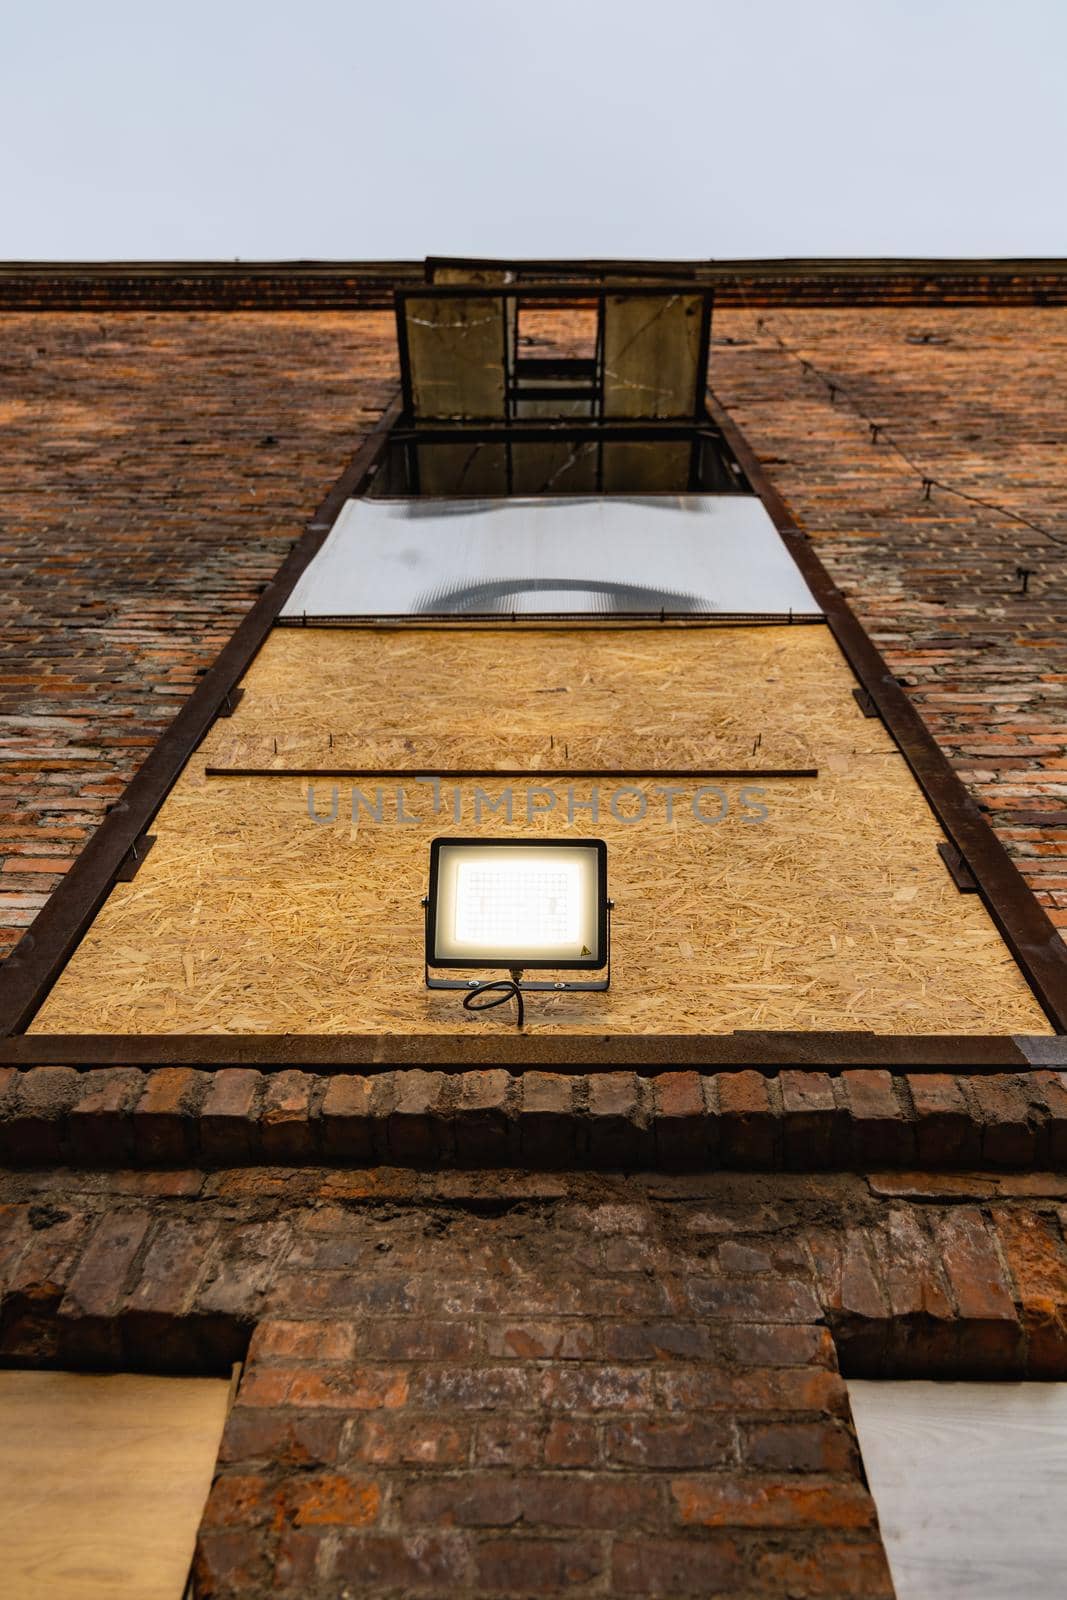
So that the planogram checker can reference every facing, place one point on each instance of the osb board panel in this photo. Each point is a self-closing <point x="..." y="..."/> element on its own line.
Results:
<point x="834" y="912"/>
<point x="103" y="1481"/>
<point x="614" y="697"/>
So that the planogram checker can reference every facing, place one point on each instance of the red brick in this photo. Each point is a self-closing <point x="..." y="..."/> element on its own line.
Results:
<point x="350" y="1389"/>
<point x="227" y="1115"/>
<point x="697" y="1442"/>
<point x="99" y="1125"/>
<point x="1034" y="1248"/>
<point x="880" y="1130"/>
<point x="278" y="1339"/>
<point x="537" y="1566"/>
<point x="571" y="1444"/>
<point x="946" y="1133"/>
<point x="672" y="1567"/>
<point x="828" y="1571"/>
<point x="1050" y="1088"/>
<point x="172" y="1265"/>
<point x="481" y="1121"/>
<point x="764" y="1299"/>
<point x="162" y="1117"/>
<point x="1008" y="1139"/>
<point x="398" y="1564"/>
<point x="990" y="1340"/>
<point x="97" y="1286"/>
<point x="392" y="1438"/>
<point x="414" y="1125"/>
<point x="45" y="1095"/>
<point x="752" y="1389"/>
<point x="332" y="1499"/>
<point x="615" y="1134"/>
<point x="799" y="1447"/>
<point x="749" y="1126"/>
<point x="812" y="1123"/>
<point x="682" y="1128"/>
<point x="346" y="1119"/>
<point x="546" y="1121"/>
<point x="285" y="1130"/>
<point x="761" y="1502"/>
<point x="284" y="1438"/>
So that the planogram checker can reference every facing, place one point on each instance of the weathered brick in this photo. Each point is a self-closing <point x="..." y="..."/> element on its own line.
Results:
<point x="163" y="1118"/>
<point x="671" y="1567"/>
<point x="614" y="1129"/>
<point x="400" y="1565"/>
<point x="749" y="1125"/>
<point x="1036" y="1255"/>
<point x="760" y="1502"/>
<point x="98" y="1284"/>
<point x="812" y="1122"/>
<point x="880" y="1130"/>
<point x="946" y="1133"/>
<point x="45" y="1095"/>
<point x="346" y="1119"/>
<point x="227" y="1115"/>
<point x="990" y="1340"/>
<point x="481" y="1121"/>
<point x="798" y="1447"/>
<point x="546" y="1120"/>
<point x="682" y="1128"/>
<point x="537" y="1566"/>
<point x="99" y="1124"/>
<point x="1008" y="1139"/>
<point x="415" y="1129"/>
<point x="698" y="1442"/>
<point x="286" y="1132"/>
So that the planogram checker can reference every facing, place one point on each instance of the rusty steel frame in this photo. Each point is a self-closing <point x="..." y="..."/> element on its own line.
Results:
<point x="27" y="976"/>
<point x="461" y="1051"/>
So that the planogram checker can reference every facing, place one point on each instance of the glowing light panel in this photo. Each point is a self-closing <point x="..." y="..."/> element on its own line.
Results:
<point x="502" y="902"/>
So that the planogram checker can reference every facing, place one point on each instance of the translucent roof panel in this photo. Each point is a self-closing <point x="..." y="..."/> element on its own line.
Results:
<point x="586" y="556"/>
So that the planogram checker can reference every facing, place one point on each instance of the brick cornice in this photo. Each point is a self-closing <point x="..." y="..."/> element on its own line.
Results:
<point x="366" y="285"/>
<point x="799" y="1121"/>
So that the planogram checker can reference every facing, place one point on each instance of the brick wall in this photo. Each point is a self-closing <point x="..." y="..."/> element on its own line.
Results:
<point x="522" y="1384"/>
<point x="156" y="471"/>
<point x="520" y="1336"/>
<point x="973" y="399"/>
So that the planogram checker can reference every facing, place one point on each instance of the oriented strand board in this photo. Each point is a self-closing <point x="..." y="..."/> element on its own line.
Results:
<point x="103" y="1481"/>
<point x="832" y="912"/>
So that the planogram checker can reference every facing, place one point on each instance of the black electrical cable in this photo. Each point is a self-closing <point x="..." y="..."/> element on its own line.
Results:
<point x="511" y="991"/>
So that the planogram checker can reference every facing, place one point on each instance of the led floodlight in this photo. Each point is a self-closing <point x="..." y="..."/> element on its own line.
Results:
<point x="518" y="904"/>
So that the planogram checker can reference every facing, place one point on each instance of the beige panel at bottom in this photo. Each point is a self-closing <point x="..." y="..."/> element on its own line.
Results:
<point x="831" y="911"/>
<point x="103" y="1481"/>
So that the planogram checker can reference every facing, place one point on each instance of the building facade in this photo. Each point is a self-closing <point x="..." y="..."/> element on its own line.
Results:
<point x="572" y="1309"/>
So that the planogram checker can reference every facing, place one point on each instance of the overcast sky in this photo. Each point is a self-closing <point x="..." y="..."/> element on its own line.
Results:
<point x="398" y="128"/>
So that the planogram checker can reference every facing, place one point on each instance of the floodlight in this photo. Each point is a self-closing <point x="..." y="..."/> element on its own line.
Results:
<point x="516" y="905"/>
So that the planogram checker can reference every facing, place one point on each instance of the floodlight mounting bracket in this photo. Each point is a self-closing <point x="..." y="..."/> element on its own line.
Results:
<point x="528" y="985"/>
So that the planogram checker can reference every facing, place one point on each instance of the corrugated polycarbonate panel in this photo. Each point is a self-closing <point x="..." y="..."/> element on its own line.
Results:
<point x="587" y="556"/>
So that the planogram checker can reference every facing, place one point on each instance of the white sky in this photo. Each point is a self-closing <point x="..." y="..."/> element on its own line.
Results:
<point x="398" y="128"/>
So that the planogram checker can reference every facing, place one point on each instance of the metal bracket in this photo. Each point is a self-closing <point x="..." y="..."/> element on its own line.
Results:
<point x="865" y="700"/>
<point x="230" y="701"/>
<point x="959" y="871"/>
<point x="528" y="985"/>
<point x="132" y="864"/>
